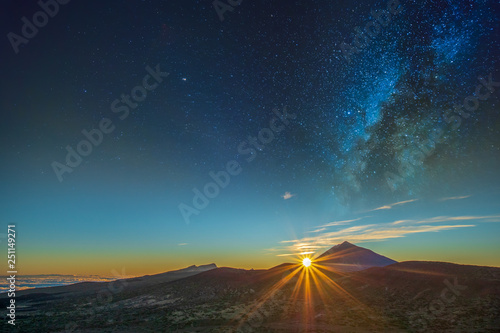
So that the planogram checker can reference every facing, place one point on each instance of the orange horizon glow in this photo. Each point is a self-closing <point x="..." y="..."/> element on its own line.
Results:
<point x="34" y="261"/>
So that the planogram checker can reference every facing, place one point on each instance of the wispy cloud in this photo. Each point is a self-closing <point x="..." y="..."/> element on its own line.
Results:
<point x="394" y="204"/>
<point x="310" y="241"/>
<point x="287" y="195"/>
<point x="318" y="230"/>
<point x="439" y="219"/>
<point x="455" y="198"/>
<point x="379" y="232"/>
<point x="182" y="244"/>
<point x="336" y="223"/>
<point x="333" y="224"/>
<point x="366" y="234"/>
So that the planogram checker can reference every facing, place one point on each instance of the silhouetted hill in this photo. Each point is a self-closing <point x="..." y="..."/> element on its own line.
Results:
<point x="412" y="296"/>
<point x="130" y="283"/>
<point x="347" y="257"/>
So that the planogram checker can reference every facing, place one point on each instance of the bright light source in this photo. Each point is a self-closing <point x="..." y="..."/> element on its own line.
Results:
<point x="306" y="262"/>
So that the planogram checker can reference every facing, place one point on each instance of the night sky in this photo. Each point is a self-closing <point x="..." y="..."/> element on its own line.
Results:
<point x="319" y="132"/>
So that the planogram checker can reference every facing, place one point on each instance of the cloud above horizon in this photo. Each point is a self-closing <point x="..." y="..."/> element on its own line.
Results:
<point x="333" y="224"/>
<point x="376" y="232"/>
<point x="394" y="204"/>
<point x="287" y="195"/>
<point x="455" y="198"/>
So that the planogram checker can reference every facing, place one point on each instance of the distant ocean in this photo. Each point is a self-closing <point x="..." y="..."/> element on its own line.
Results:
<point x="40" y="281"/>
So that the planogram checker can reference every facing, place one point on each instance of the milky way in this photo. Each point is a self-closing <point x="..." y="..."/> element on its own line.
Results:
<point x="375" y="125"/>
<point x="390" y="115"/>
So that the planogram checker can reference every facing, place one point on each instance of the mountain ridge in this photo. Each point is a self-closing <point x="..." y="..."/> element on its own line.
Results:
<point x="347" y="257"/>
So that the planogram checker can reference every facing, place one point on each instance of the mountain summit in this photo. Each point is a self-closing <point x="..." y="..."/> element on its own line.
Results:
<point x="347" y="257"/>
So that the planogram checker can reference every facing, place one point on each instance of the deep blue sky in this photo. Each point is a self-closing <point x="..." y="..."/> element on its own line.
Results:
<point x="370" y="132"/>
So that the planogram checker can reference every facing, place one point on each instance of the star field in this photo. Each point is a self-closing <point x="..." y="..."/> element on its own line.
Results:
<point x="382" y="126"/>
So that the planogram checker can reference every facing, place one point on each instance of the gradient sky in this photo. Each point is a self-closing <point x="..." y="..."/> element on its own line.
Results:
<point x="374" y="151"/>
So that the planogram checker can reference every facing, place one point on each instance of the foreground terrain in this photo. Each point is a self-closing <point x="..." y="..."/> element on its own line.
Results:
<point x="411" y="296"/>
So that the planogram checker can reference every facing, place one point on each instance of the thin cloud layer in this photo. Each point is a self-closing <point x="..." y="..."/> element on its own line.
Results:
<point x="333" y="224"/>
<point x="455" y="198"/>
<point x="376" y="232"/>
<point x="394" y="204"/>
